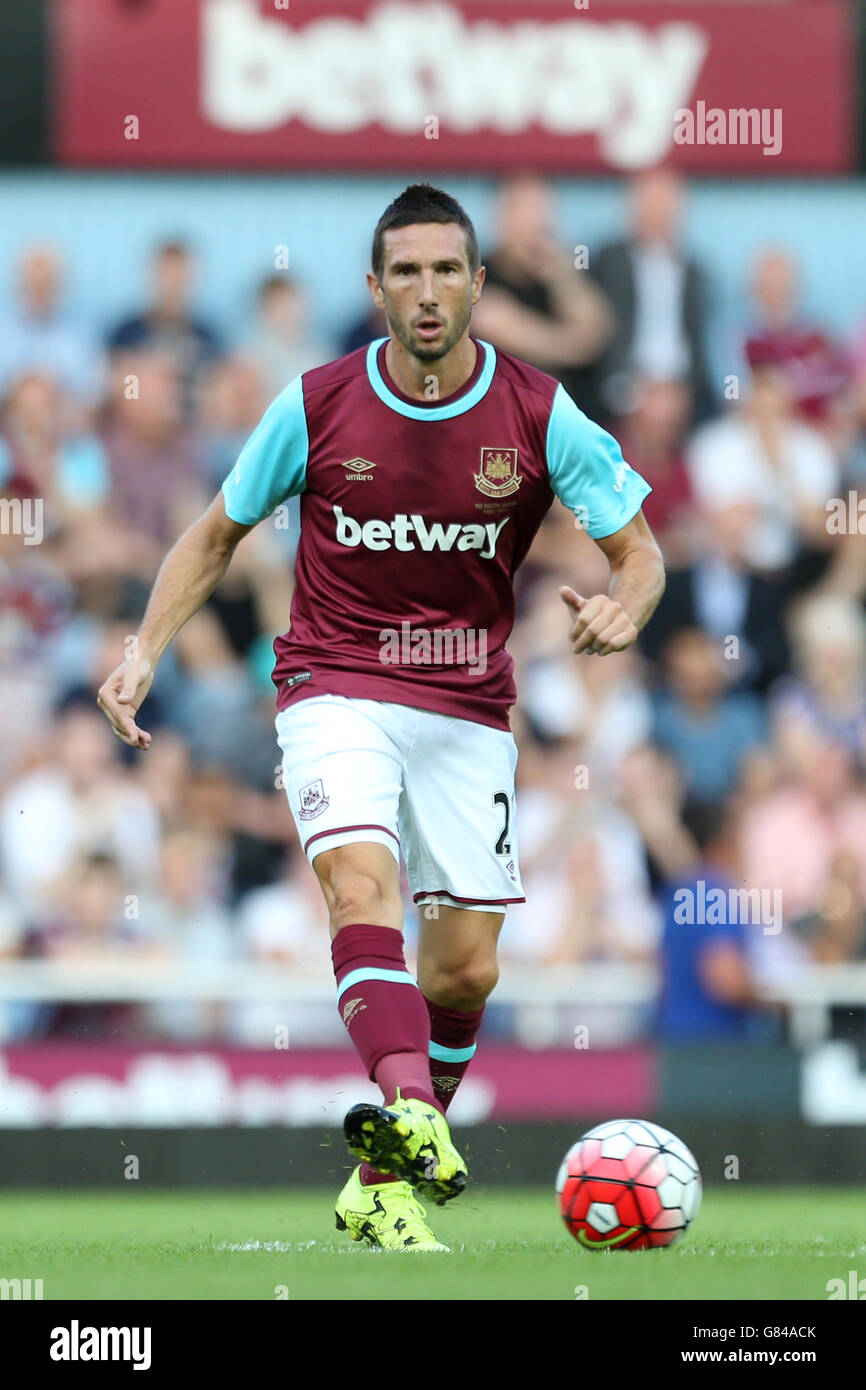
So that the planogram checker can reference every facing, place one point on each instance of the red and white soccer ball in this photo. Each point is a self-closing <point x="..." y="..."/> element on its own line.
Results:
<point x="628" y="1185"/>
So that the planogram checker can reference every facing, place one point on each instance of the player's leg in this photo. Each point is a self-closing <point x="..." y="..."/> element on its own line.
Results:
<point x="343" y="775"/>
<point x="378" y="997"/>
<point x="461" y="851"/>
<point x="388" y="1021"/>
<point x="457" y="971"/>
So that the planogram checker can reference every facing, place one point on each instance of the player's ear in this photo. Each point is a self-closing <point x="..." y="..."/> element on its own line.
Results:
<point x="375" y="290"/>
<point x="477" y="281"/>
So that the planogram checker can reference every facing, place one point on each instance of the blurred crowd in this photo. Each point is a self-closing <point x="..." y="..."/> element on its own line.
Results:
<point x="728" y="748"/>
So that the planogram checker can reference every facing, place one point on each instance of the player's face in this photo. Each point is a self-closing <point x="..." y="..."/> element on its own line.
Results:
<point x="427" y="288"/>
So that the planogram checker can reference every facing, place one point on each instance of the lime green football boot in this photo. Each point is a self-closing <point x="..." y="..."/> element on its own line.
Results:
<point x="386" y="1214"/>
<point x="409" y="1138"/>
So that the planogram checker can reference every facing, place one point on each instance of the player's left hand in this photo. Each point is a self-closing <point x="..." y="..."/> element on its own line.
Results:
<point x="600" y="626"/>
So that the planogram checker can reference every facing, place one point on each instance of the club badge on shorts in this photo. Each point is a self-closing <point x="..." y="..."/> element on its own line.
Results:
<point x="313" y="800"/>
<point x="498" y="476"/>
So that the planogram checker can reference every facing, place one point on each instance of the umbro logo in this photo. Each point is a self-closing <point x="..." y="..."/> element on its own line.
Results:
<point x="360" y="470"/>
<point x="352" y="1008"/>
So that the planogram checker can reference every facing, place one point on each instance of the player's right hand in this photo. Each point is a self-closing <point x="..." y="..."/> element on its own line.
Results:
<point x="120" y="697"/>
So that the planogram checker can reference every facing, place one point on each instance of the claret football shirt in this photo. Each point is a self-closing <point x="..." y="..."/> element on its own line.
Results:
<point x="414" y="518"/>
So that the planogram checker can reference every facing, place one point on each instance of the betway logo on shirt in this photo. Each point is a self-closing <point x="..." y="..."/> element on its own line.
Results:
<point x="413" y="533"/>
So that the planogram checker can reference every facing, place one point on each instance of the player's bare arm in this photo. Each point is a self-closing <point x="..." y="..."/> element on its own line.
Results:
<point x="187" y="577"/>
<point x="606" y="623"/>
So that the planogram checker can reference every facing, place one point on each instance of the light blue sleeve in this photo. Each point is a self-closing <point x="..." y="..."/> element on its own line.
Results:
<point x="588" y="472"/>
<point x="272" y="465"/>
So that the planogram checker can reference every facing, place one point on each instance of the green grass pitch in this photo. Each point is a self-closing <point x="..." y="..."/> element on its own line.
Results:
<point x="753" y="1243"/>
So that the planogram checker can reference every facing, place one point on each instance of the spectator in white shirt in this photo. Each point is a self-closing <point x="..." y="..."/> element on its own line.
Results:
<point x="761" y="455"/>
<point x="80" y="800"/>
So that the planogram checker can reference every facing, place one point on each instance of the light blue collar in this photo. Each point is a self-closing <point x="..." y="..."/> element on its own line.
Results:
<point x="436" y="412"/>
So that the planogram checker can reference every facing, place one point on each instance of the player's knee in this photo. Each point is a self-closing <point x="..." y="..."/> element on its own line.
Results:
<point x="360" y="884"/>
<point x="357" y="898"/>
<point x="465" y="986"/>
<point x="360" y="895"/>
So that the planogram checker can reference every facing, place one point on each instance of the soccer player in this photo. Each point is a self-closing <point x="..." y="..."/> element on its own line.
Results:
<point x="425" y="465"/>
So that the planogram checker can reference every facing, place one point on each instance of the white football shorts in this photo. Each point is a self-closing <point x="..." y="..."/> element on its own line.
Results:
<point x="436" y="788"/>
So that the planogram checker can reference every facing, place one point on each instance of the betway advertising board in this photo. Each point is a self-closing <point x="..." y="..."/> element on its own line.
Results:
<point x="569" y="86"/>
<point x="73" y="1084"/>
<point x="67" y="1085"/>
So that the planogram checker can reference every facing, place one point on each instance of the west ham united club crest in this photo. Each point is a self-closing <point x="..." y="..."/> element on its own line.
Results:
<point x="498" y="476"/>
<point x="313" y="800"/>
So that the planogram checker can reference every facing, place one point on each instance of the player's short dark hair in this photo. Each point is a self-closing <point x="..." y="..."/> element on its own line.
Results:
<point x="421" y="202"/>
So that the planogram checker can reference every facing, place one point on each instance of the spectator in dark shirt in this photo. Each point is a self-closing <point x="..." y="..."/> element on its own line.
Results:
<point x="373" y="324"/>
<point x="167" y="325"/>
<point x="535" y="302"/>
<point x="659" y="298"/>
<point x="718" y="592"/>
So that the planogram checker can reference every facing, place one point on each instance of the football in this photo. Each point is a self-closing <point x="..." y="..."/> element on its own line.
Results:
<point x="628" y="1185"/>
